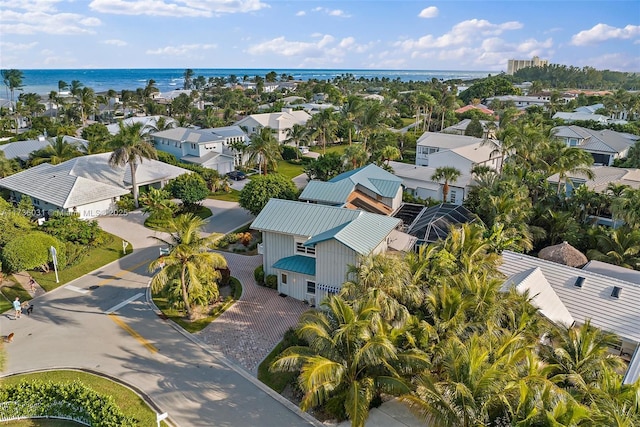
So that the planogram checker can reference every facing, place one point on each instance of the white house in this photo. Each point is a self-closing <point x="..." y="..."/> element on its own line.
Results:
<point x="568" y="295"/>
<point x="149" y="123"/>
<point x="369" y="188"/>
<point x="604" y="145"/>
<point x="85" y="185"/>
<point x="279" y="123"/>
<point x="211" y="148"/>
<point x="417" y="181"/>
<point x="310" y="246"/>
<point x="458" y="151"/>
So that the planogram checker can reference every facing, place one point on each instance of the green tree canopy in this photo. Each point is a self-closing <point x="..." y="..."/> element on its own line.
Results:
<point x="32" y="250"/>
<point x="255" y="195"/>
<point x="190" y="188"/>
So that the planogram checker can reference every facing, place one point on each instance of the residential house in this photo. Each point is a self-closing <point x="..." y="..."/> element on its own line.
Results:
<point x="369" y="188"/>
<point x="603" y="177"/>
<point x="489" y="128"/>
<point x="604" y="145"/>
<point x="212" y="148"/>
<point x="519" y="101"/>
<point x="309" y="247"/>
<point x="568" y="295"/>
<point x="279" y="123"/>
<point x="85" y="185"/>
<point x="21" y="150"/>
<point x="587" y="113"/>
<point x="458" y="151"/>
<point x="478" y="107"/>
<point x="149" y="123"/>
<point x="417" y="181"/>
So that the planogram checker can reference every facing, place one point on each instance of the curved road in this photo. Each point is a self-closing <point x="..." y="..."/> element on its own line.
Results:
<point x="71" y="327"/>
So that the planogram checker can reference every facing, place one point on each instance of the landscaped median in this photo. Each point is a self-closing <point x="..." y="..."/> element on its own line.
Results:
<point x="72" y="395"/>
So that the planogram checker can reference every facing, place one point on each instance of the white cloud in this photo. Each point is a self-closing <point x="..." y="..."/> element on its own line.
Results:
<point x="182" y="50"/>
<point x="176" y="8"/>
<point x="13" y="47"/>
<point x="428" y="12"/>
<point x="602" y="32"/>
<point x="613" y="61"/>
<point x="30" y="5"/>
<point x="331" y="12"/>
<point x="326" y="49"/>
<point x="301" y="13"/>
<point x="115" y="42"/>
<point x="46" y="20"/>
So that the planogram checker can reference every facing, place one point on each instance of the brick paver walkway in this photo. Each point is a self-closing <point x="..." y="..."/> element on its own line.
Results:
<point x="250" y="328"/>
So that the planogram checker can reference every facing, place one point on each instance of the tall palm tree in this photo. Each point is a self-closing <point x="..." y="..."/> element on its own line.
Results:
<point x="324" y="126"/>
<point x="350" y="110"/>
<point x="627" y="207"/>
<point x="189" y="272"/>
<point x="350" y="358"/>
<point x="565" y="160"/>
<point x="264" y="150"/>
<point x="295" y="135"/>
<point x="131" y="148"/>
<point x="7" y="166"/>
<point x="12" y="79"/>
<point x="355" y="155"/>
<point x="56" y="152"/>
<point x="447" y="174"/>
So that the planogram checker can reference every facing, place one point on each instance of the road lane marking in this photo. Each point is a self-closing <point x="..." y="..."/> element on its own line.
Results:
<point x="76" y="289"/>
<point x="123" y="303"/>
<point x="133" y="333"/>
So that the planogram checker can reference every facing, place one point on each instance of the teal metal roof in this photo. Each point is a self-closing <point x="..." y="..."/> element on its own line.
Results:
<point x="297" y="264"/>
<point x="373" y="178"/>
<point x="335" y="193"/>
<point x="358" y="230"/>
<point x="337" y="190"/>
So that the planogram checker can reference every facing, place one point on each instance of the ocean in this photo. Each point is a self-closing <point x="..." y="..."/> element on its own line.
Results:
<point x="100" y="80"/>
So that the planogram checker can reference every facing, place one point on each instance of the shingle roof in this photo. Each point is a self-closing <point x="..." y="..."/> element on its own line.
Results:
<point x="358" y="230"/>
<point x="603" y="176"/>
<point x="420" y="176"/>
<point x="606" y="140"/>
<point x="200" y="135"/>
<point x="591" y="301"/>
<point x="446" y="140"/>
<point x="22" y="149"/>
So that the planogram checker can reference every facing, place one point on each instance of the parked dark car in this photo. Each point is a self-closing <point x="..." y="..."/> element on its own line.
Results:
<point x="236" y="175"/>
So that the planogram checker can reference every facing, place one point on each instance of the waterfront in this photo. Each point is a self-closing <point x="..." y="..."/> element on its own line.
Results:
<point x="101" y="80"/>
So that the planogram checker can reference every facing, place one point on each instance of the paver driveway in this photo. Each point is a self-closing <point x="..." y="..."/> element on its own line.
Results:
<point x="248" y="330"/>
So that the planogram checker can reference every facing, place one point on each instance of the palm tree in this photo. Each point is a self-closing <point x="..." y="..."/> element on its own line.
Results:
<point x="264" y="150"/>
<point x="350" y="110"/>
<point x="324" y="126"/>
<point x="569" y="160"/>
<point x="188" y="78"/>
<point x="350" y="358"/>
<point x="12" y="79"/>
<point x="295" y="135"/>
<point x="620" y="246"/>
<point x="7" y="166"/>
<point x="355" y="155"/>
<point x="389" y="152"/>
<point x="130" y="148"/>
<point x="56" y="152"/>
<point x="190" y="271"/>
<point x="447" y="174"/>
<point x="87" y="100"/>
<point x="579" y="356"/>
<point x="627" y="207"/>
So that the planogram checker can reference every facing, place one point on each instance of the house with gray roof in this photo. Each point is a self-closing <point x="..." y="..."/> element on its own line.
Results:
<point x="149" y="123"/>
<point x="21" y="150"/>
<point x="568" y="295"/>
<point x="85" y="185"/>
<point x="416" y="180"/>
<point x="279" y="123"/>
<point x="369" y="188"/>
<point x="309" y="247"/>
<point x="462" y="152"/>
<point x="604" y="145"/>
<point x="211" y="148"/>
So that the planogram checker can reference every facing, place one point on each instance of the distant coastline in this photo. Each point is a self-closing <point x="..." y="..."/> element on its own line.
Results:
<point x="100" y="80"/>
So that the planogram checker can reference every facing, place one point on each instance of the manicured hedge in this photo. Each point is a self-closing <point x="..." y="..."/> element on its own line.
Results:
<point x="37" y="399"/>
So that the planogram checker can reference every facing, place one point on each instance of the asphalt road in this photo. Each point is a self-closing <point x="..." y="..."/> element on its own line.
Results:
<point x="70" y="327"/>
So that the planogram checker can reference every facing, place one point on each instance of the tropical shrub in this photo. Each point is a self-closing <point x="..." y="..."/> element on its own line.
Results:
<point x="190" y="188"/>
<point x="255" y="195"/>
<point x="32" y="250"/>
<point x="71" y="400"/>
<point x="258" y="274"/>
<point x="70" y="228"/>
<point x="272" y="281"/>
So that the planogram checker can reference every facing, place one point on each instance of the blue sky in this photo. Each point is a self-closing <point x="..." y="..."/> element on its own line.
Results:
<point x="348" y="34"/>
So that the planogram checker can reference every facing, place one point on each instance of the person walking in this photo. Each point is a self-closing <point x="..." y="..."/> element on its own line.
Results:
<point x="17" y="307"/>
<point x="32" y="284"/>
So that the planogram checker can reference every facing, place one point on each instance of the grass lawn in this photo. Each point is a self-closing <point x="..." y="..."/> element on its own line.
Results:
<point x="203" y="212"/>
<point x="177" y="316"/>
<point x="289" y="170"/>
<point x="331" y="148"/>
<point x="10" y="293"/>
<point x="275" y="380"/>
<point x="96" y="258"/>
<point x="40" y="422"/>
<point x="232" y="196"/>
<point x="129" y="402"/>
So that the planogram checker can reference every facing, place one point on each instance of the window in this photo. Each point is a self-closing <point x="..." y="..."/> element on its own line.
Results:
<point x="308" y="250"/>
<point x="193" y="146"/>
<point x="452" y="196"/>
<point x="283" y="279"/>
<point x="573" y="142"/>
<point x="311" y="287"/>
